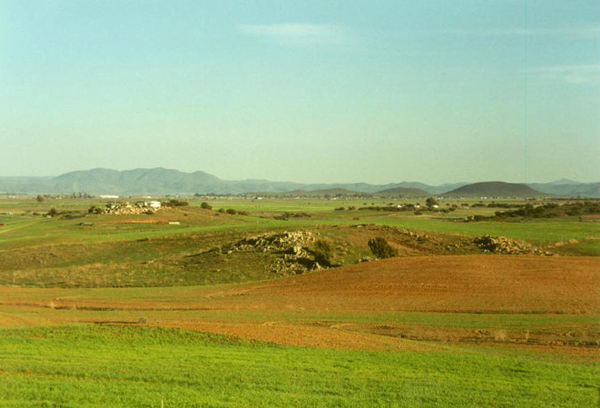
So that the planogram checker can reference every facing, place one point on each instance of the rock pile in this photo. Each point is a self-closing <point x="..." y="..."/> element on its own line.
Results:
<point x="289" y="248"/>
<point x="455" y="244"/>
<point x="124" y="209"/>
<point x="276" y="242"/>
<point x="503" y="245"/>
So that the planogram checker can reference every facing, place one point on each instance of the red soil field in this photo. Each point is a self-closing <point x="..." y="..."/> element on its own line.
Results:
<point x="462" y="284"/>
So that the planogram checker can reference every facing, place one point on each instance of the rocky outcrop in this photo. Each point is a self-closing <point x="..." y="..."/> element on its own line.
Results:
<point x="289" y="249"/>
<point x="503" y="245"/>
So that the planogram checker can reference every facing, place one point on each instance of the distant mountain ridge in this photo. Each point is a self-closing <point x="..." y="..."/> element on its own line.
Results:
<point x="571" y="189"/>
<point x="403" y="192"/>
<point x="158" y="181"/>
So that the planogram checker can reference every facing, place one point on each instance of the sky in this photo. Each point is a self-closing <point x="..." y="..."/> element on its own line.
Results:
<point x="309" y="91"/>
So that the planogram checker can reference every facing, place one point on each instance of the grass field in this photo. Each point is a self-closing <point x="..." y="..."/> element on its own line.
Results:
<point x="131" y="311"/>
<point x="86" y="366"/>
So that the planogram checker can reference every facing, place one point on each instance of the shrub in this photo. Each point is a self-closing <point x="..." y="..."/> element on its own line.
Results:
<point x="40" y="199"/>
<point x="231" y="211"/>
<point x="324" y="252"/>
<point x="176" y="203"/>
<point x="430" y="202"/>
<point x="381" y="248"/>
<point x="206" y="206"/>
<point x="52" y="212"/>
<point x="95" y="210"/>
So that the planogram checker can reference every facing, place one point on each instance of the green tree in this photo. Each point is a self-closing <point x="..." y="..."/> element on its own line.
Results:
<point x="40" y="198"/>
<point x="430" y="202"/>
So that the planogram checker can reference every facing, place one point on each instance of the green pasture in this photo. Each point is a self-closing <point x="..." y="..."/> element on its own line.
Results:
<point x="91" y="366"/>
<point x="28" y="230"/>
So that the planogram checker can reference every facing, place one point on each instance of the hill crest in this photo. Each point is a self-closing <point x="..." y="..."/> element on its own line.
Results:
<point x="494" y="189"/>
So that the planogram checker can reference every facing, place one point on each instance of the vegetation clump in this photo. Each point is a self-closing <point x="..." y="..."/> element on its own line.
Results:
<point x="381" y="248"/>
<point x="287" y="215"/>
<point x="430" y="202"/>
<point x="176" y="203"/>
<point x="205" y="206"/>
<point x="94" y="210"/>
<point x="324" y="252"/>
<point x="549" y="210"/>
<point x="231" y="211"/>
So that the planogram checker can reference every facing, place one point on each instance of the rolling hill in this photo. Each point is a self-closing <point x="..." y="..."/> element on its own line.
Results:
<point x="494" y="189"/>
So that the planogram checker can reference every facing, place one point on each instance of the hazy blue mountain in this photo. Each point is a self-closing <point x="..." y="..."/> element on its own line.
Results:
<point x="159" y="181"/>
<point x="138" y="181"/>
<point x="568" y="188"/>
<point x="25" y="184"/>
<point x="374" y="188"/>
<point x="403" y="192"/>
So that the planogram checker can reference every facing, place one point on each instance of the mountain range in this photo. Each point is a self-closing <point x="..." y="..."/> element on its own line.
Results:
<point x="159" y="181"/>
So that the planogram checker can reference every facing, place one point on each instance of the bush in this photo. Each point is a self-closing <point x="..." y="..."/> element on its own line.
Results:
<point x="52" y="212"/>
<point x="231" y="211"/>
<point x="324" y="252"/>
<point x="430" y="202"/>
<point x="40" y="199"/>
<point x="206" y="206"/>
<point x="176" y="203"/>
<point x="95" y="210"/>
<point x="381" y="248"/>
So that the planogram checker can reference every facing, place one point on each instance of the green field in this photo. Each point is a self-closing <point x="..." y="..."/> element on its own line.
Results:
<point x="132" y="311"/>
<point x="88" y="366"/>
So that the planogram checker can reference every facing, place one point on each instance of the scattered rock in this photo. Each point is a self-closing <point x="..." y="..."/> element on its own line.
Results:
<point x="291" y="256"/>
<point x="503" y="245"/>
<point x="140" y="207"/>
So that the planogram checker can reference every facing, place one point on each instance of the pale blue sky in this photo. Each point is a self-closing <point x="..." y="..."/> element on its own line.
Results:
<point x="308" y="91"/>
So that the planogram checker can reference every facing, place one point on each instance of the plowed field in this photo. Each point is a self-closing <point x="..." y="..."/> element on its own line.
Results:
<point x="388" y="304"/>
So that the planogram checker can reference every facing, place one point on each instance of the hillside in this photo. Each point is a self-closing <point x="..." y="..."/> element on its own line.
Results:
<point x="403" y="192"/>
<point x="494" y="189"/>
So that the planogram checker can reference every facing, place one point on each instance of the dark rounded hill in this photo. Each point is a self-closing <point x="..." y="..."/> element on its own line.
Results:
<point x="494" y="189"/>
